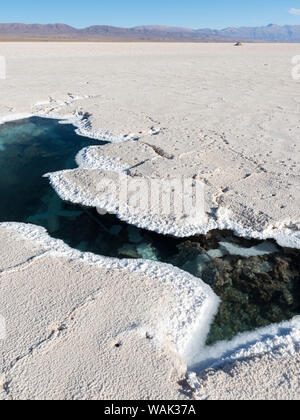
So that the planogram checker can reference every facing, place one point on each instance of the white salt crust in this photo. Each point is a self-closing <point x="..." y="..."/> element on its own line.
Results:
<point x="85" y="160"/>
<point x="282" y="233"/>
<point x="223" y="220"/>
<point x="191" y="319"/>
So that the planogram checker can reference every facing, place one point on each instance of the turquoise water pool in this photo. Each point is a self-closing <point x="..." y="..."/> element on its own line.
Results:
<point x="256" y="288"/>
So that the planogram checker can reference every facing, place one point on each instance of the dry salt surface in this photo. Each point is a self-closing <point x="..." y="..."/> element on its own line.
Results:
<point x="226" y="116"/>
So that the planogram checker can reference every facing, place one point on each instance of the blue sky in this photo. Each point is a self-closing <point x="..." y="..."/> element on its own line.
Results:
<point x="189" y="13"/>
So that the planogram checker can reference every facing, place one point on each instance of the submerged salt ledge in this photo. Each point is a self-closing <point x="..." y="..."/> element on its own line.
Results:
<point x="265" y="248"/>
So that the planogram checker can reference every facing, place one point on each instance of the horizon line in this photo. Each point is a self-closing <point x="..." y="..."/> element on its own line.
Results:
<point x="147" y="25"/>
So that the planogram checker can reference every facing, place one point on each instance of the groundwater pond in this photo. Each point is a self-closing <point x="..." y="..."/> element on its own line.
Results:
<point x="258" y="281"/>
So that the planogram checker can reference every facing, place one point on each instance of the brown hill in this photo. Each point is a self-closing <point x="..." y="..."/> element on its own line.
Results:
<point x="59" y="31"/>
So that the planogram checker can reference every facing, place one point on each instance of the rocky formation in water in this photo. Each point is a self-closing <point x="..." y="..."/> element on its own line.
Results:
<point x="256" y="290"/>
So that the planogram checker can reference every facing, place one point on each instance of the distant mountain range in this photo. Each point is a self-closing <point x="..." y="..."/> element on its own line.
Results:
<point x="59" y="31"/>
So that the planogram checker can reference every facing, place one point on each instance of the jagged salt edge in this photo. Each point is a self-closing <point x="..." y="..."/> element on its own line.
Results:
<point x="81" y="126"/>
<point x="84" y="160"/>
<point x="196" y="303"/>
<point x="285" y="237"/>
<point x="14" y="117"/>
<point x="281" y="339"/>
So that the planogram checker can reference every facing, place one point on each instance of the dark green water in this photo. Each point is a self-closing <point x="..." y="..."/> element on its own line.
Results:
<point x="255" y="291"/>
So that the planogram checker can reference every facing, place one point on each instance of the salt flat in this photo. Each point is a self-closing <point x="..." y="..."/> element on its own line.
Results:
<point x="226" y="116"/>
<point x="81" y="326"/>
